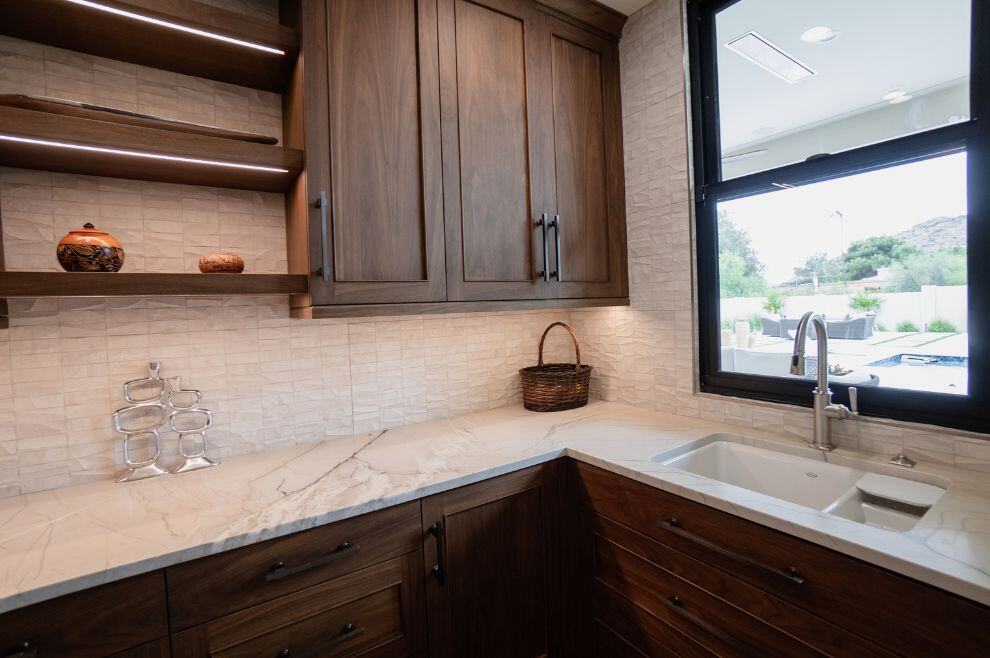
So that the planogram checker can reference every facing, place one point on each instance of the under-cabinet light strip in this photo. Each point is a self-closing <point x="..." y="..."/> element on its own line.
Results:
<point x="175" y="26"/>
<point x="141" y="154"/>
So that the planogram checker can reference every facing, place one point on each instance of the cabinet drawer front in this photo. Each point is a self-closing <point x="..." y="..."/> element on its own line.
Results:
<point x="217" y="585"/>
<point x="95" y="622"/>
<point x="904" y="616"/>
<point x="378" y="608"/>
<point x="636" y="626"/>
<point x="817" y="633"/>
<point x="708" y="620"/>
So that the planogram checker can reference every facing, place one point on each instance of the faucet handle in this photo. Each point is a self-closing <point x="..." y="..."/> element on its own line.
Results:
<point x="853" y="401"/>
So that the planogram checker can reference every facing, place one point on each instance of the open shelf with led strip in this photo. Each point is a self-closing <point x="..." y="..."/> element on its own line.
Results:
<point x="183" y="36"/>
<point x="140" y="284"/>
<point x="38" y="140"/>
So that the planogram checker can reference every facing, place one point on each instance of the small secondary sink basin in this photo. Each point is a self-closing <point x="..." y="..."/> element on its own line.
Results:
<point x="881" y="501"/>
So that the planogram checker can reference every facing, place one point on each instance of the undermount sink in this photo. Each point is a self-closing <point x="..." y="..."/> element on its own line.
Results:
<point x="882" y="501"/>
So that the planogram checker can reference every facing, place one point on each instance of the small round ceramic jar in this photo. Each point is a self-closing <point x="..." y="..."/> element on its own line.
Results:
<point x="90" y="250"/>
<point x="221" y="262"/>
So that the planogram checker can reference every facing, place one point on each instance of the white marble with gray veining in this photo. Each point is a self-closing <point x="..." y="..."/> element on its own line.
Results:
<point x="65" y="540"/>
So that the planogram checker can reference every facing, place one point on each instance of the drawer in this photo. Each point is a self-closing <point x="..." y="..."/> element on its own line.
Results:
<point x="821" y="635"/>
<point x="711" y="622"/>
<point x="611" y="644"/>
<point x="895" y="612"/>
<point x="156" y="649"/>
<point x="100" y="621"/>
<point x="650" y="636"/>
<point x="213" y="586"/>
<point x="375" y="611"/>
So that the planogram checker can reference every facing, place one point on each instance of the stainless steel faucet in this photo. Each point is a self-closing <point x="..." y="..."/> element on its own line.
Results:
<point x="825" y="409"/>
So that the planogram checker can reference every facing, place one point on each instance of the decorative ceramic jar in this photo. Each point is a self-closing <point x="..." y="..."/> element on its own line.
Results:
<point x="221" y="262"/>
<point x="90" y="250"/>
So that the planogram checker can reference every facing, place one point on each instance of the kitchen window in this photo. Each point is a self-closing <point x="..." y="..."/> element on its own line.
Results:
<point x="842" y="167"/>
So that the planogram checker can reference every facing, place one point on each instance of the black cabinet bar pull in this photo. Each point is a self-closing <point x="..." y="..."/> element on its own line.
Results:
<point x="676" y="604"/>
<point x="559" y="272"/>
<point x="23" y="650"/>
<point x="545" y="272"/>
<point x="790" y="574"/>
<point x="322" y="203"/>
<point x="280" y="570"/>
<point x="439" y="569"/>
<point x="347" y="633"/>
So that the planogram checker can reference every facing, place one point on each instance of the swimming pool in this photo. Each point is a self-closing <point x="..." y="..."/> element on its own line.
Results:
<point x="923" y="372"/>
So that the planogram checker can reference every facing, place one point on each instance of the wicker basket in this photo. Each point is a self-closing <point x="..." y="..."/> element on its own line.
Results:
<point x="556" y="386"/>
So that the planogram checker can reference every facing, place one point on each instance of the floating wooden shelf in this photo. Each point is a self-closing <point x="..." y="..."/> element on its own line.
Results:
<point x="88" y="29"/>
<point x="161" y="144"/>
<point x="124" y="284"/>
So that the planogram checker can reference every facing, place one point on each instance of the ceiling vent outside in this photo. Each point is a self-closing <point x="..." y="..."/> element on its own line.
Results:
<point x="762" y="52"/>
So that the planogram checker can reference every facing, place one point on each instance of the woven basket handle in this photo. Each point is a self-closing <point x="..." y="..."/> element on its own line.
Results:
<point x="577" y="348"/>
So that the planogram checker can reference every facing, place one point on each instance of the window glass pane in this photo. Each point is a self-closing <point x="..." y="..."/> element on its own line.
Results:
<point x="881" y="254"/>
<point x="798" y="78"/>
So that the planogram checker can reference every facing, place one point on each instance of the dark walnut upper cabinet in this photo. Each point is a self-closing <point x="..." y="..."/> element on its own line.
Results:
<point x="457" y="152"/>
<point x="492" y="568"/>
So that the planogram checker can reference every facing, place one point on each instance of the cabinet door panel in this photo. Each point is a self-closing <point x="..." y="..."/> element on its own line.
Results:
<point x="383" y="171"/>
<point x="588" y="158"/>
<point x="496" y="136"/>
<point x="494" y="547"/>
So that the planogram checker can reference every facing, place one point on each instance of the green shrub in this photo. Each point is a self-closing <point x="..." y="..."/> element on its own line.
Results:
<point x="774" y="303"/>
<point x="755" y="323"/>
<point x="880" y="326"/>
<point x="907" y="326"/>
<point x="865" y="301"/>
<point x="940" y="326"/>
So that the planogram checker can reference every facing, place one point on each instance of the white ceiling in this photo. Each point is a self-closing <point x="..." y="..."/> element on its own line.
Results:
<point x="627" y="7"/>
<point x="882" y="45"/>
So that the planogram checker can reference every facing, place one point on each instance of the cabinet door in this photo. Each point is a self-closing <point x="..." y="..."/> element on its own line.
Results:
<point x="497" y="141"/>
<point x="589" y="241"/>
<point x="378" y="153"/>
<point x="491" y="566"/>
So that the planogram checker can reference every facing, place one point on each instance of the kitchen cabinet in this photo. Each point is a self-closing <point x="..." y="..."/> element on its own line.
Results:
<point x="668" y="575"/>
<point x="491" y="566"/>
<point x="460" y="154"/>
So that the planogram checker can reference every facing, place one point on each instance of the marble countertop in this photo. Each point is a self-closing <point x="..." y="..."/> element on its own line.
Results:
<point x="65" y="540"/>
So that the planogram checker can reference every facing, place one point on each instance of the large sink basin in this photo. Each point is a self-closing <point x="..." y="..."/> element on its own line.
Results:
<point x="883" y="501"/>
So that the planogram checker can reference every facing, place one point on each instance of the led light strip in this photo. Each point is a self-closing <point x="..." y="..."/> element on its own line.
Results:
<point x="175" y="26"/>
<point x="141" y="154"/>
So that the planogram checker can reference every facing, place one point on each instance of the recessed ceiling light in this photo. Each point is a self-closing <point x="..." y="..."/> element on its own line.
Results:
<point x="762" y="52"/>
<point x="900" y="99"/>
<point x="819" y="34"/>
<point x="897" y="93"/>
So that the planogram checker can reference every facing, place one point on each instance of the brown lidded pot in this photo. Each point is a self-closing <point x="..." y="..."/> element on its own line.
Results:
<point x="221" y="262"/>
<point x="90" y="250"/>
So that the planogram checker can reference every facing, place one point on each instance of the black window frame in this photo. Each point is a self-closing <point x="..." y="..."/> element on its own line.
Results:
<point x="968" y="412"/>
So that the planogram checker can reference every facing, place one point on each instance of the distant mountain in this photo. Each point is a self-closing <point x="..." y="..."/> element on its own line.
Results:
<point x="936" y="233"/>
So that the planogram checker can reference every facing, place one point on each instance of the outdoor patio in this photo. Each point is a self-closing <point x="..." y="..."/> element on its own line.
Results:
<point x="935" y="362"/>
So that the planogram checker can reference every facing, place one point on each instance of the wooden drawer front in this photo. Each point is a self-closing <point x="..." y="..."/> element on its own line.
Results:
<point x="609" y="643"/>
<point x="378" y="609"/>
<point x="95" y="622"/>
<point x="900" y="614"/>
<point x="813" y="631"/>
<point x="157" y="649"/>
<point x="649" y="635"/>
<point x="220" y="584"/>
<point x="706" y="619"/>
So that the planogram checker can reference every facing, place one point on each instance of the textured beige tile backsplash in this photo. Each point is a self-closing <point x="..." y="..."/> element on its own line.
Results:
<point x="274" y="381"/>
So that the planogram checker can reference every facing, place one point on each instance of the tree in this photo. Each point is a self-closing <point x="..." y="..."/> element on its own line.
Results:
<point x="864" y="257"/>
<point x="821" y="266"/>
<point x="938" y="268"/>
<point x="740" y="271"/>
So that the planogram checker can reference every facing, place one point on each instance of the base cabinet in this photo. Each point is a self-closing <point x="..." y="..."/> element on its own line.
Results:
<point x="491" y="566"/>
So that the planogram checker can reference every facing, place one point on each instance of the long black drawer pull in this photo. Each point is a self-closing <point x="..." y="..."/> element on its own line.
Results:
<point x="279" y="570"/>
<point x="347" y="633"/>
<point x="677" y="605"/>
<point x="545" y="272"/>
<point x="788" y="573"/>
<point x="23" y="650"/>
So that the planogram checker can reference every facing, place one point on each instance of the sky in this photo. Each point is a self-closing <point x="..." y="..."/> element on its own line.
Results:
<point x="789" y="226"/>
